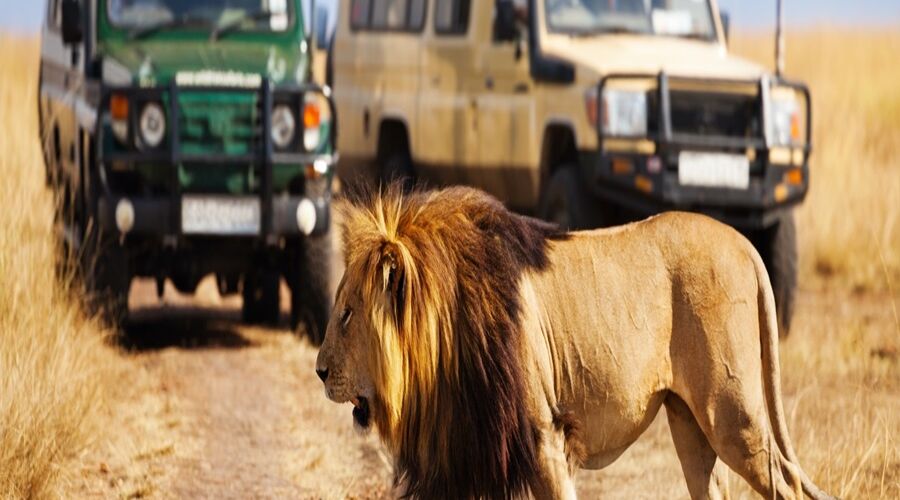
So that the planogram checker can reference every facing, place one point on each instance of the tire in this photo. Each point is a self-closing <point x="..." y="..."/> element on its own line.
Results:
<point x="398" y="167"/>
<point x="107" y="278"/>
<point x="260" y="292"/>
<point x="565" y="202"/>
<point x="309" y="276"/>
<point x="778" y="248"/>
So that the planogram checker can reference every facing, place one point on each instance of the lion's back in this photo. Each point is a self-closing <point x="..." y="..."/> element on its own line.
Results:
<point x="633" y="278"/>
<point x="684" y="241"/>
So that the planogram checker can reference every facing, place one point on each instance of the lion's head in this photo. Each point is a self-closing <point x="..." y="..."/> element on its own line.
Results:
<point x="424" y="338"/>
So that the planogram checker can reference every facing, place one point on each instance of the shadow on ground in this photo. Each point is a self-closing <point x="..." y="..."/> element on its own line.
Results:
<point x="185" y="327"/>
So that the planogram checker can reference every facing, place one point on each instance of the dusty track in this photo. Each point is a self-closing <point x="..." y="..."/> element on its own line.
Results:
<point x="221" y="410"/>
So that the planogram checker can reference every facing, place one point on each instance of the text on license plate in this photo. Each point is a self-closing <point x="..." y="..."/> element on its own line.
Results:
<point x="713" y="170"/>
<point x="220" y="215"/>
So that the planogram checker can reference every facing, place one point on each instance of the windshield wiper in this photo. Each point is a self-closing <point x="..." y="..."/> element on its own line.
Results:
<point x="180" y="22"/>
<point x="234" y="24"/>
<point x="611" y="30"/>
<point x="696" y="36"/>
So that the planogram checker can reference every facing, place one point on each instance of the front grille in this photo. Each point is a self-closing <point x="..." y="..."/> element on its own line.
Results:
<point x="715" y="114"/>
<point x="220" y="122"/>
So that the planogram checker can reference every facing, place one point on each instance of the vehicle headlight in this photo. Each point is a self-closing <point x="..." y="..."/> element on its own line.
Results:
<point x="283" y="126"/>
<point x="316" y="113"/>
<point x="785" y="121"/>
<point x="152" y="124"/>
<point x="624" y="113"/>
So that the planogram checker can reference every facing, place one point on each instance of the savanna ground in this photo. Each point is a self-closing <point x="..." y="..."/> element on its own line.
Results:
<point x="194" y="404"/>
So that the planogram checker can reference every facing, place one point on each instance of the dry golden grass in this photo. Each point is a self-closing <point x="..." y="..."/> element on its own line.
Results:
<point x="850" y="224"/>
<point x="54" y="366"/>
<point x="842" y="365"/>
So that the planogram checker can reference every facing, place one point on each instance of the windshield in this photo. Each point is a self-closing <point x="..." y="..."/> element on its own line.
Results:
<point x="687" y="18"/>
<point x="254" y="15"/>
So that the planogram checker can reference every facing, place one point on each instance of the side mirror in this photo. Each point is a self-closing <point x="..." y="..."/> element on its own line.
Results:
<point x="72" y="27"/>
<point x="505" y="27"/>
<point x="726" y="24"/>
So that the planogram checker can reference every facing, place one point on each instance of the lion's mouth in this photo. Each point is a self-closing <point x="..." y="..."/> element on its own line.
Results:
<point x="361" y="411"/>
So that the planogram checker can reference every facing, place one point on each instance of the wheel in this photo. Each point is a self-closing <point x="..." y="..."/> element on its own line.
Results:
<point x="94" y="257"/>
<point x="565" y="202"/>
<point x="107" y="277"/>
<point x="778" y="247"/>
<point x="260" y="292"/>
<point x="309" y="277"/>
<point x="398" y="167"/>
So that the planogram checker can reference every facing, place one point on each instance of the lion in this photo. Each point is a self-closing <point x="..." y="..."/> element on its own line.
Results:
<point x="494" y="354"/>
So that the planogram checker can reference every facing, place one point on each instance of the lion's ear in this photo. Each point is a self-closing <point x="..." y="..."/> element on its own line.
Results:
<point x="393" y="278"/>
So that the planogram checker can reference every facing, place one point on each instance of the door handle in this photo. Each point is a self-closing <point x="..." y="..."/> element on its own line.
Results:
<point x="489" y="83"/>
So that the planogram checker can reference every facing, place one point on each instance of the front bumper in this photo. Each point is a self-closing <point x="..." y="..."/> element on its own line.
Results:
<point x="160" y="213"/>
<point x="162" y="216"/>
<point x="641" y="173"/>
<point x="647" y="191"/>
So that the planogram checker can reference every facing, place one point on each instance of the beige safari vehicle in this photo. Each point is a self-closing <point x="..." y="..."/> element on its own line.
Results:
<point x="583" y="112"/>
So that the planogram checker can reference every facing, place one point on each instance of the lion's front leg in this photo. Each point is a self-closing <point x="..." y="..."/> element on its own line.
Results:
<point x="553" y="480"/>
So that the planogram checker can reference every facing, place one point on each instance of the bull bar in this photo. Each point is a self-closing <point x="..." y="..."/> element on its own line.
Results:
<point x="165" y="214"/>
<point x="755" y="207"/>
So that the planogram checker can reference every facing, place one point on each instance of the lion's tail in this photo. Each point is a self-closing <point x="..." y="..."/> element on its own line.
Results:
<point x="772" y="376"/>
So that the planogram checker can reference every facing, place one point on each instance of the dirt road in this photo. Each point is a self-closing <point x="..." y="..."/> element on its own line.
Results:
<point x="220" y="410"/>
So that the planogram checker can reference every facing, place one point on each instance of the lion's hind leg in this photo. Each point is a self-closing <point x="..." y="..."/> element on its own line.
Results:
<point x="705" y="478"/>
<point x="739" y="433"/>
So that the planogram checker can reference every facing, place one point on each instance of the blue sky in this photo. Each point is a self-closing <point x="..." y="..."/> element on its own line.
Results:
<point x="25" y="15"/>
<point x="761" y="13"/>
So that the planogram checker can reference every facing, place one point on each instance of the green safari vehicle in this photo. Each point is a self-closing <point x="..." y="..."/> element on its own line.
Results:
<point x="185" y="138"/>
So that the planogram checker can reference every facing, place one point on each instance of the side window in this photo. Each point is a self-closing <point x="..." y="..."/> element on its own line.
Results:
<point x="388" y="15"/>
<point x="417" y="10"/>
<point x="451" y="16"/>
<point x="54" y="17"/>
<point x="359" y="14"/>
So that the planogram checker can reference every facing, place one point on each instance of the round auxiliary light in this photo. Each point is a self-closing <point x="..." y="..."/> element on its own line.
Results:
<point x="283" y="126"/>
<point x="152" y="125"/>
<point x="306" y="216"/>
<point x="124" y="215"/>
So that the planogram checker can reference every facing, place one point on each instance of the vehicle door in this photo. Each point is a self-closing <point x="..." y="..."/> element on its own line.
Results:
<point x="446" y="145"/>
<point x="395" y="59"/>
<point x="504" y="106"/>
<point x="60" y="82"/>
<point x="378" y="70"/>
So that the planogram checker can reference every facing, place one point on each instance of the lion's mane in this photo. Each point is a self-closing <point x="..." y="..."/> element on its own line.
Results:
<point x="440" y="271"/>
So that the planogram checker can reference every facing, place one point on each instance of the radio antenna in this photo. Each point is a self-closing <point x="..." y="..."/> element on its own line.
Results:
<point x="779" y="38"/>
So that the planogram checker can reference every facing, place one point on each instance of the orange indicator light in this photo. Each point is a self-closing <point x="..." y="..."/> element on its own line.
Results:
<point x="312" y="116"/>
<point x="118" y="107"/>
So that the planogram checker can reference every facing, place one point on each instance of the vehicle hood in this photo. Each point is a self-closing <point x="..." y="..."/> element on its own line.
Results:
<point x="156" y="62"/>
<point x="607" y="54"/>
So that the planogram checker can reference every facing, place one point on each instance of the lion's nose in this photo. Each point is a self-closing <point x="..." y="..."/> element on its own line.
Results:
<point x="322" y="373"/>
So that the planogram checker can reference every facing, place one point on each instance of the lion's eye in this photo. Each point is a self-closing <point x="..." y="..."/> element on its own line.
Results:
<point x="345" y="317"/>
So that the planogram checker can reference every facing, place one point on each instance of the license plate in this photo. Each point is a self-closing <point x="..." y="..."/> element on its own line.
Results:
<point x="713" y="170"/>
<point x="220" y="215"/>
